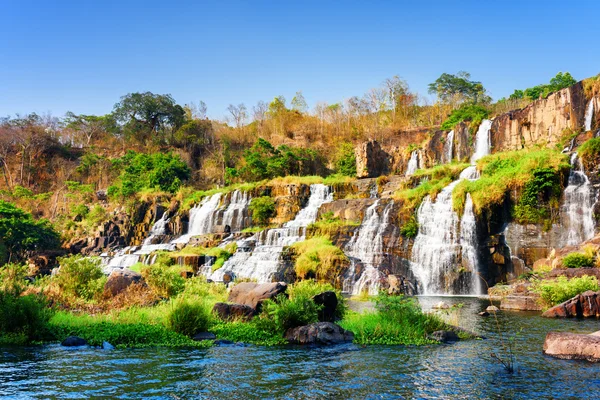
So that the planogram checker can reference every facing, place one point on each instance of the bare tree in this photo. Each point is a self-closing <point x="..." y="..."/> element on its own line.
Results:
<point x="238" y="113"/>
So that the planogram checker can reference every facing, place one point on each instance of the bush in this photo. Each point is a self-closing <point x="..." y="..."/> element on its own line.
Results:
<point x="345" y="160"/>
<point x="562" y="289"/>
<point x="289" y="313"/>
<point x="466" y="112"/>
<point x="262" y="208"/>
<point x="578" y="260"/>
<point x="319" y="258"/>
<point x="310" y="288"/>
<point x="189" y="317"/>
<point x="23" y="319"/>
<point x="165" y="281"/>
<point x="410" y="229"/>
<point x="80" y="277"/>
<point x="13" y="279"/>
<point x="589" y="152"/>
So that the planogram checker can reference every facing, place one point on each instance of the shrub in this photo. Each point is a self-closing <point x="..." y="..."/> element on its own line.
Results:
<point x="345" y="160"/>
<point x="262" y="208"/>
<point x="165" y="281"/>
<point x="319" y="258"/>
<point x="410" y="229"/>
<point x="189" y="317"/>
<point x="578" y="260"/>
<point x="80" y="277"/>
<point x="466" y="112"/>
<point x="589" y="152"/>
<point x="310" y="288"/>
<point x="13" y="279"/>
<point x="23" y="319"/>
<point x="289" y="313"/>
<point x="562" y="289"/>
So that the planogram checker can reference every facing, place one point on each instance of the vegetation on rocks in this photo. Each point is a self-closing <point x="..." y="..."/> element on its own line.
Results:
<point x="561" y="289"/>
<point x="319" y="259"/>
<point x="578" y="260"/>
<point x="262" y="209"/>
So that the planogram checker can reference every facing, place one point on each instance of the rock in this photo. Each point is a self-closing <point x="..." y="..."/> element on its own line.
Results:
<point x="441" y="306"/>
<point x="572" y="346"/>
<point x="227" y="311"/>
<point x="520" y="303"/>
<point x="227" y="277"/>
<point x="74" y="341"/>
<point x="584" y="305"/>
<point x="444" y="336"/>
<point x="492" y="309"/>
<point x="484" y="314"/>
<point x="253" y="294"/>
<point x="121" y="279"/>
<point x="329" y="302"/>
<point x="371" y="160"/>
<point x="319" y="333"/>
<point x="198" y="337"/>
<point x="107" y="346"/>
<point x="223" y="342"/>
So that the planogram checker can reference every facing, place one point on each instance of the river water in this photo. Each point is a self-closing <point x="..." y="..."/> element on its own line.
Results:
<point x="460" y="370"/>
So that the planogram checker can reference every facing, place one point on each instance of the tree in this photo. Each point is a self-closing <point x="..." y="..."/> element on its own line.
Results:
<point x="20" y="233"/>
<point x="458" y="88"/>
<point x="195" y="111"/>
<point x="299" y="103"/>
<point x="90" y="126"/>
<point x="239" y="114"/>
<point x="144" y="115"/>
<point x="194" y="134"/>
<point x="259" y="112"/>
<point x="561" y="81"/>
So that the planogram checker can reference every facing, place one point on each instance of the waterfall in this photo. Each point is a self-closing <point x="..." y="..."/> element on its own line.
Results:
<point x="374" y="190"/>
<point x="158" y="229"/>
<point x="236" y="214"/>
<point x="413" y="163"/>
<point x="366" y="247"/>
<point x="263" y="262"/>
<point x="448" y="146"/>
<point x="441" y="249"/>
<point x="589" y="115"/>
<point x="202" y="219"/>
<point x="577" y="211"/>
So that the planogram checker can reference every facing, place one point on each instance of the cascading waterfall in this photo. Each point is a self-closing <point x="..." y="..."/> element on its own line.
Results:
<point x="589" y="115"/>
<point x="263" y="262"/>
<point x="449" y="146"/>
<point x="202" y="219"/>
<point x="440" y="245"/>
<point x="236" y="214"/>
<point x="366" y="248"/>
<point x="158" y="229"/>
<point x="413" y="163"/>
<point x="577" y="214"/>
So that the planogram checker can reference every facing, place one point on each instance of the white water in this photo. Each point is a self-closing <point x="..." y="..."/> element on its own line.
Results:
<point x="236" y="214"/>
<point x="577" y="210"/>
<point x="366" y="247"/>
<point x="264" y="261"/>
<point x="202" y="219"/>
<point x="441" y="248"/>
<point x="413" y="163"/>
<point x="158" y="229"/>
<point x="589" y="115"/>
<point x="448" y="146"/>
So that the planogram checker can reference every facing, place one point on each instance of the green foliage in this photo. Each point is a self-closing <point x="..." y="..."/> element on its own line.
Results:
<point x="562" y="289"/>
<point x="345" y="160"/>
<point x="23" y="319"/>
<point x="13" y="278"/>
<point x="560" y="81"/>
<point x="189" y="316"/>
<point x="450" y="87"/>
<point x="194" y="134"/>
<point x="80" y="277"/>
<point x="165" y="281"/>
<point x="410" y="228"/>
<point x="328" y="225"/>
<point x="545" y="184"/>
<point x="262" y="209"/>
<point x="309" y="288"/>
<point x="21" y="234"/>
<point x="257" y="331"/>
<point x="578" y="260"/>
<point x="466" y="112"/>
<point x="289" y="313"/>
<point x="160" y="171"/>
<point x="318" y="258"/>
<point x="589" y="152"/>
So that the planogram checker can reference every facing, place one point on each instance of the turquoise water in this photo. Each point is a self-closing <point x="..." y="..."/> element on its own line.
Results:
<point x="460" y="370"/>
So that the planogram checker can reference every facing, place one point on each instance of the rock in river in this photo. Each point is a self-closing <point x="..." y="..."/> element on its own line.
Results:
<point x="253" y="294"/>
<point x="319" y="333"/>
<point x="73" y="341"/>
<point x="573" y="346"/>
<point x="583" y="305"/>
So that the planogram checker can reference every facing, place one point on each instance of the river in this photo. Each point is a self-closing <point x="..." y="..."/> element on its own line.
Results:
<point x="460" y="370"/>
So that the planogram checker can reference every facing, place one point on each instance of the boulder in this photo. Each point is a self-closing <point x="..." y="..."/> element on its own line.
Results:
<point x="227" y="311"/>
<point x="200" y="336"/>
<point x="444" y="336"/>
<point x="253" y="294"/>
<point x="583" y="305"/>
<point x="492" y="309"/>
<point x="329" y="302"/>
<point x="520" y="303"/>
<point x="121" y="279"/>
<point x="74" y="341"/>
<point x="572" y="346"/>
<point x="371" y="160"/>
<point x="319" y="333"/>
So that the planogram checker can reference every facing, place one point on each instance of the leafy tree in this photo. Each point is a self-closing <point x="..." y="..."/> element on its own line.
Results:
<point x="466" y="112"/>
<point x="262" y="209"/>
<point x="145" y="115"/>
<point x="299" y="103"/>
<point x="459" y="87"/>
<point x="346" y="160"/>
<point x="20" y="234"/>
<point x="90" y="126"/>
<point x="560" y="81"/>
<point x="194" y="134"/>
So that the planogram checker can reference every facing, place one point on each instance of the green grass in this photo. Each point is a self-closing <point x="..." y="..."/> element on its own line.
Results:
<point x="553" y="292"/>
<point x="589" y="152"/>
<point x="328" y="225"/>
<point x="319" y="258"/>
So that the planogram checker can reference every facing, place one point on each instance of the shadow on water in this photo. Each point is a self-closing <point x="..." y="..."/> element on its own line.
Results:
<point x="460" y="370"/>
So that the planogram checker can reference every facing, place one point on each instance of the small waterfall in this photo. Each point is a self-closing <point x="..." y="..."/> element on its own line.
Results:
<point x="468" y="240"/>
<point x="236" y="214"/>
<point x="374" y="190"/>
<point x="577" y="211"/>
<point x="413" y="163"/>
<point x="366" y="248"/>
<point x="482" y="141"/>
<point x="589" y="115"/>
<point x="449" y="146"/>
<point x="264" y="261"/>
<point x="202" y="219"/>
<point x="158" y="229"/>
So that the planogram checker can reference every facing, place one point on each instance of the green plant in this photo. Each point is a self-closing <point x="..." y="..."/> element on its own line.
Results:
<point x="466" y="112"/>
<point x="561" y="289"/>
<point x="164" y="280"/>
<point x="262" y="208"/>
<point x="309" y="288"/>
<point x="318" y="258"/>
<point x="23" y="319"/>
<point x="578" y="260"/>
<point x="345" y="160"/>
<point x="189" y="316"/>
<point x="286" y="313"/>
<point x="13" y="279"/>
<point x="80" y="277"/>
<point x="410" y="228"/>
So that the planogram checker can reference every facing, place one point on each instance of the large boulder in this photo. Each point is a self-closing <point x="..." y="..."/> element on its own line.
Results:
<point x="74" y="341"/>
<point x="572" y="346"/>
<point x="583" y="305"/>
<point x="228" y="312"/>
<point x="319" y="333"/>
<point x="371" y="160"/>
<point x="253" y="294"/>
<point x="121" y="279"/>
<point x="444" y="336"/>
<point x="329" y="302"/>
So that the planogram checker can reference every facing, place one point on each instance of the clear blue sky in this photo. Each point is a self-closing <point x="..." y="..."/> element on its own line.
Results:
<point x="81" y="56"/>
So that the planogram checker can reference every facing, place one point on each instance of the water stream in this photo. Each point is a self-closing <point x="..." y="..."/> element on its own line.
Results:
<point x="413" y="163"/>
<point x="589" y="115"/>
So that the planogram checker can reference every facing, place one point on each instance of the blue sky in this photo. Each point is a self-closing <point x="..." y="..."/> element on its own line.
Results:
<point x="81" y="56"/>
